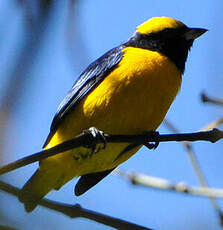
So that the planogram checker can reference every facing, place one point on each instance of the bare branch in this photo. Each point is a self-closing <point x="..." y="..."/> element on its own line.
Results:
<point x="215" y="101"/>
<point x="163" y="184"/>
<point x="195" y="163"/>
<point x="85" y="139"/>
<point x="76" y="211"/>
<point x="213" y="124"/>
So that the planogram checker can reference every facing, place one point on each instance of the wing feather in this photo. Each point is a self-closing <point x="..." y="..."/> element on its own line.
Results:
<point x="87" y="81"/>
<point x="88" y="181"/>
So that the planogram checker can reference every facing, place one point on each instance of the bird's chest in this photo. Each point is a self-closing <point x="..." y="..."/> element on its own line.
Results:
<point x="132" y="99"/>
<point x="136" y="95"/>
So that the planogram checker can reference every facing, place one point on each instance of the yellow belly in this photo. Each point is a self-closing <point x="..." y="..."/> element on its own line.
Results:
<point x="132" y="99"/>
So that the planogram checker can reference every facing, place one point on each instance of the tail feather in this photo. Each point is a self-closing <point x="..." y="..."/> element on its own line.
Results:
<point x="35" y="189"/>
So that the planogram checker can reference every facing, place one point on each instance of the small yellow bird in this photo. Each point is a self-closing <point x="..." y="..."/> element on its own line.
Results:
<point x="128" y="90"/>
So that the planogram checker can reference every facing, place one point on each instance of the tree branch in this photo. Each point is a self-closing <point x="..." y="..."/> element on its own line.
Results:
<point x="163" y="184"/>
<point x="206" y="99"/>
<point x="76" y="211"/>
<point x="85" y="139"/>
<point x="213" y="124"/>
<point x="195" y="163"/>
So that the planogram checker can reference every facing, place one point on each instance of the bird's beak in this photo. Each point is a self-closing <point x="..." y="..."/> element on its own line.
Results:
<point x="194" y="33"/>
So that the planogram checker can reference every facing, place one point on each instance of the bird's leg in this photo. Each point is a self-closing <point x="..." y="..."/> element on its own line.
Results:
<point x="148" y="135"/>
<point x="94" y="138"/>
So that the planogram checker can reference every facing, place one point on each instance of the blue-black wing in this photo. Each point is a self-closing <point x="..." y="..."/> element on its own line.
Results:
<point x="88" y="181"/>
<point x="86" y="82"/>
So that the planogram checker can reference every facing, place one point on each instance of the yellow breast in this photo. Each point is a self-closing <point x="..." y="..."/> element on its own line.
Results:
<point x="135" y="96"/>
<point x="132" y="99"/>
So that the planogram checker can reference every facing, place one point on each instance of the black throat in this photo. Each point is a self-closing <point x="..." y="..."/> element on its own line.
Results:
<point x="169" y="42"/>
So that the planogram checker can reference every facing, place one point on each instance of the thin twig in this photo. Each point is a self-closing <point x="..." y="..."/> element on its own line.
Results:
<point x="76" y="211"/>
<point x="163" y="184"/>
<point x="213" y="124"/>
<point x="215" y="101"/>
<point x="195" y="163"/>
<point x="189" y="148"/>
<point x="85" y="139"/>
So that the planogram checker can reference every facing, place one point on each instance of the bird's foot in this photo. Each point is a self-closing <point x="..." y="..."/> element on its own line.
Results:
<point x="149" y="135"/>
<point x="96" y="140"/>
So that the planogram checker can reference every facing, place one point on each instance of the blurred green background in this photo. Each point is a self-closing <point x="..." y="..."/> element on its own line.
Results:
<point x="44" y="46"/>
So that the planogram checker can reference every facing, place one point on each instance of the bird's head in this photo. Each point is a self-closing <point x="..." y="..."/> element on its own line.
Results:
<point x="167" y="36"/>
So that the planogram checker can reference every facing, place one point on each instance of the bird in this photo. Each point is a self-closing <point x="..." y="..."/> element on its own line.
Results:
<point x="128" y="90"/>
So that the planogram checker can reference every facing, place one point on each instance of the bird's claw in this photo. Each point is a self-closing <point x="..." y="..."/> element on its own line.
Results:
<point x="95" y="138"/>
<point x="148" y="135"/>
